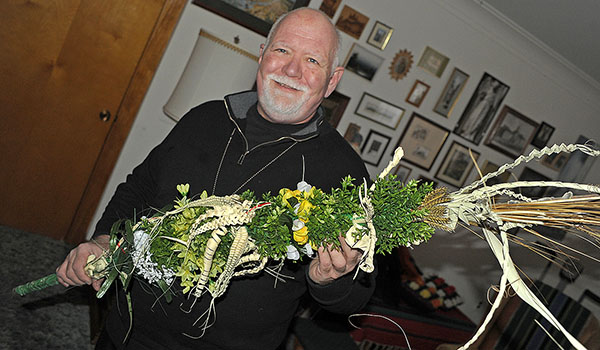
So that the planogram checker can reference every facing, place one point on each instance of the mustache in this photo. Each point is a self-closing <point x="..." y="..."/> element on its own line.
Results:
<point x="282" y="79"/>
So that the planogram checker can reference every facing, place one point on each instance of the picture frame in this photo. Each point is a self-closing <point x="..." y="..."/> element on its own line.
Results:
<point x="454" y="87"/>
<point x="374" y="147"/>
<point x="354" y="136"/>
<point x="489" y="167"/>
<point x="402" y="172"/>
<point x="329" y="7"/>
<point x="542" y="135"/>
<point x="401" y="64"/>
<point x="334" y="107"/>
<point x="379" y="111"/>
<point x="512" y="132"/>
<point x="529" y="174"/>
<point x="423" y="179"/>
<point x="555" y="161"/>
<point x="433" y="61"/>
<point x="422" y="141"/>
<point x="457" y="165"/>
<point x="417" y="93"/>
<point x="362" y="62"/>
<point x="351" y="22"/>
<point x="480" y="110"/>
<point x="380" y="35"/>
<point x="246" y="15"/>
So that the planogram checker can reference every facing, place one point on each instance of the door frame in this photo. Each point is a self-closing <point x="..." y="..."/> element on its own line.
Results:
<point x="132" y="100"/>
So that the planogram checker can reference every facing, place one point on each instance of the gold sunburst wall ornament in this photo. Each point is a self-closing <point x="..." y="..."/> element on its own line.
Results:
<point x="401" y="64"/>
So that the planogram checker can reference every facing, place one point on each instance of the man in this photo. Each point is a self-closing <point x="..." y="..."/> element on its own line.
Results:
<point x="263" y="141"/>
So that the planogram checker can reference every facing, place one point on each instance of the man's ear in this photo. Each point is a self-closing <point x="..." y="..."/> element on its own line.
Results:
<point x="260" y="52"/>
<point x="334" y="80"/>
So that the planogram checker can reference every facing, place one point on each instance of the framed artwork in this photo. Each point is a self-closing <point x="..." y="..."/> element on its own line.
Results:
<point x="433" y="62"/>
<point x="354" y="137"/>
<point x="489" y="167"/>
<point x="329" y="7"/>
<point x="402" y="172"/>
<point x="380" y="35"/>
<point x="511" y="133"/>
<point x="542" y="135"/>
<point x="529" y="174"/>
<point x="451" y="93"/>
<point x="252" y="14"/>
<point x="362" y="62"/>
<point x="379" y="111"/>
<point x="374" y="147"/>
<point x="401" y="64"/>
<point x="555" y="161"/>
<point x="417" y="93"/>
<point x="334" y="107"/>
<point x="422" y="140"/>
<point x="422" y="179"/>
<point x="457" y="165"/>
<point x="351" y="22"/>
<point x="481" y="108"/>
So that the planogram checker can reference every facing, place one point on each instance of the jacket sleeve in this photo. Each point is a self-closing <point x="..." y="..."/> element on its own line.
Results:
<point x="133" y="198"/>
<point x="345" y="295"/>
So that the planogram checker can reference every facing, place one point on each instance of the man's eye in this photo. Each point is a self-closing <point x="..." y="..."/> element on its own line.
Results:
<point x="312" y="60"/>
<point x="281" y="50"/>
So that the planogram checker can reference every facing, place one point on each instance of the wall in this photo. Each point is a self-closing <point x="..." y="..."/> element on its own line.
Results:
<point x="541" y="87"/>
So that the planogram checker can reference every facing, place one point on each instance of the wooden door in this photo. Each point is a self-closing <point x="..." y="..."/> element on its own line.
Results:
<point x="65" y="65"/>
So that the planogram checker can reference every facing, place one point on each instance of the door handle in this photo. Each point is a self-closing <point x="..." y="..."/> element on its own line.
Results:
<point x="105" y="115"/>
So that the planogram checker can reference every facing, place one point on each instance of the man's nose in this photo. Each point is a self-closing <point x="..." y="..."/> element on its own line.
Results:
<point x="293" y="67"/>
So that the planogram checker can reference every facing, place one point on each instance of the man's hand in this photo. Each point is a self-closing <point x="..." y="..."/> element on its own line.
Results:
<point x="71" y="272"/>
<point x="331" y="264"/>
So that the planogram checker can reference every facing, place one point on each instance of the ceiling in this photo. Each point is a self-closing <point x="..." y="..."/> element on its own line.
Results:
<point x="569" y="28"/>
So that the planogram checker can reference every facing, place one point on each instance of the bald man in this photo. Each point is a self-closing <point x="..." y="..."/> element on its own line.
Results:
<point x="263" y="141"/>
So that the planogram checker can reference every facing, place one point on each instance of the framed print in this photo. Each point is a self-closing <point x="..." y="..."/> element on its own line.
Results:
<point x="334" y="107"/>
<point x="380" y="35"/>
<point x="529" y="174"/>
<point x="362" y="62"/>
<point x="457" y="165"/>
<point x="542" y="135"/>
<point x="555" y="161"/>
<point x="489" y="167"/>
<point x="374" y="147"/>
<point x="379" y="111"/>
<point x="481" y="109"/>
<point x="417" y="93"/>
<point x="511" y="133"/>
<point x="252" y="14"/>
<point x="351" y="22"/>
<point x="422" y="179"/>
<point x="401" y="64"/>
<point x="402" y="172"/>
<point x="422" y="140"/>
<point x="451" y="93"/>
<point x="354" y="137"/>
<point x="329" y="7"/>
<point x="433" y="62"/>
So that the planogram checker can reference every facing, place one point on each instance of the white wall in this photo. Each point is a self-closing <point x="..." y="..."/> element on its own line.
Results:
<point x="541" y="87"/>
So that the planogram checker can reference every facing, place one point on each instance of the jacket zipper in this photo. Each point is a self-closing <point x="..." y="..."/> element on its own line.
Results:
<point x="246" y="152"/>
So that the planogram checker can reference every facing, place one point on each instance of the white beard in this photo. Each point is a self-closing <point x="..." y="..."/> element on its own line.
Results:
<point x="274" y="101"/>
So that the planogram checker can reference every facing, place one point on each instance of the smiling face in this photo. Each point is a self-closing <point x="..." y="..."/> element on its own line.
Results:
<point x="295" y="72"/>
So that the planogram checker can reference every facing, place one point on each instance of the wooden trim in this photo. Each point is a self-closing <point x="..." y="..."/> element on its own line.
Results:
<point x="126" y="114"/>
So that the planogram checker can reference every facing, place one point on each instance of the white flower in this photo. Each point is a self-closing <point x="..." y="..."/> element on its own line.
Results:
<point x="308" y="250"/>
<point x="303" y="186"/>
<point x="292" y="253"/>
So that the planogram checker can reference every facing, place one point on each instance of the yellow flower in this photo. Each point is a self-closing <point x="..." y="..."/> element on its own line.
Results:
<point x="301" y="236"/>
<point x="309" y="194"/>
<point x="304" y="209"/>
<point x="287" y="194"/>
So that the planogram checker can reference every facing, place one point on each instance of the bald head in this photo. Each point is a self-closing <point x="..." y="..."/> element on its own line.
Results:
<point x="308" y="15"/>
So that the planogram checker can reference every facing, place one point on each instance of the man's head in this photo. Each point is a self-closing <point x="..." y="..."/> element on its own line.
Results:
<point x="298" y="67"/>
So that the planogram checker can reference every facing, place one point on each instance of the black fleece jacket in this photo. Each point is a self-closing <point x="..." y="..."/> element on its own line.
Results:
<point x="228" y="147"/>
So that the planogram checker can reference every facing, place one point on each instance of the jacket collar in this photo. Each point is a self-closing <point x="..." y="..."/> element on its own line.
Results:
<point x="239" y="103"/>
